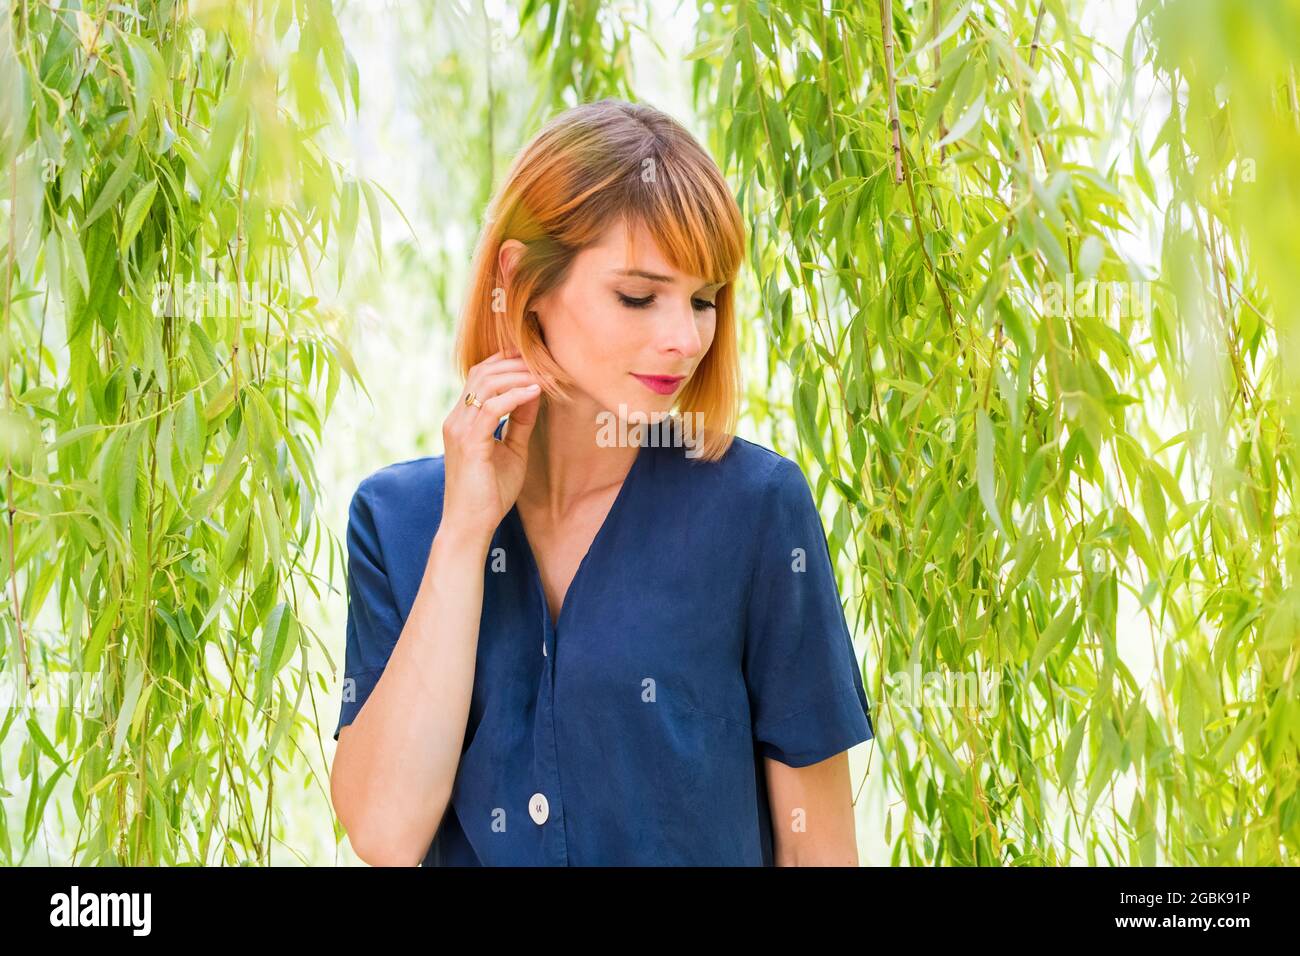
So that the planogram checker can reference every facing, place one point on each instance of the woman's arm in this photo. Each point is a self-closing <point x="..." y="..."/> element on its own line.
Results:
<point x="395" y="764"/>
<point x="812" y="813"/>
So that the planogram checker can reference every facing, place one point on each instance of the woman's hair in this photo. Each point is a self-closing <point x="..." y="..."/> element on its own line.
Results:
<point x="587" y="168"/>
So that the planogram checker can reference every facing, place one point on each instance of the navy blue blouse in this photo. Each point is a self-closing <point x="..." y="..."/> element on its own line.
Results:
<point x="702" y="631"/>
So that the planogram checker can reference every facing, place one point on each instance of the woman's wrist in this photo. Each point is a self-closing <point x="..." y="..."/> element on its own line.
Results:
<point x="457" y="540"/>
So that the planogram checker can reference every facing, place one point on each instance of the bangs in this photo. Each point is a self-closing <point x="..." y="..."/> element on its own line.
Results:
<point x="691" y="217"/>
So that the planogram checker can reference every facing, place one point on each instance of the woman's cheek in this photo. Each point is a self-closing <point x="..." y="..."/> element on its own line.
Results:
<point x="708" y="328"/>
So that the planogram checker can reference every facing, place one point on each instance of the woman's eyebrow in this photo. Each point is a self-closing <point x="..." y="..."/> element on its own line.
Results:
<point x="656" y="277"/>
<point x="641" y="274"/>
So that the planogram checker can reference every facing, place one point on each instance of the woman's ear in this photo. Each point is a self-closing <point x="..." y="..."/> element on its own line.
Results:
<point x="508" y="257"/>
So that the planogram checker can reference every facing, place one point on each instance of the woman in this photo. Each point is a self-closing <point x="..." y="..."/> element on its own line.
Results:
<point x="575" y="642"/>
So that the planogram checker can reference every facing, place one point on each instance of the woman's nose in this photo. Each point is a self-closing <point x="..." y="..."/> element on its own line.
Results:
<point x="684" y="333"/>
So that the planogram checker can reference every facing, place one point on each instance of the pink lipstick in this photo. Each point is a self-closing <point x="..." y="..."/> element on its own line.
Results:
<point x="660" y="384"/>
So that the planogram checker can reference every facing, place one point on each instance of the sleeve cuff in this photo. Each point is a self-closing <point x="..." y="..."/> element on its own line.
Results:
<point x="816" y="733"/>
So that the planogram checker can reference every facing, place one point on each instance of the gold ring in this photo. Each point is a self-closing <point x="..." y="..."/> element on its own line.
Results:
<point x="471" y="400"/>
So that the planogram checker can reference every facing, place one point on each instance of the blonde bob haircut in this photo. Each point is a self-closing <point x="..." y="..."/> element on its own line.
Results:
<point x="585" y="170"/>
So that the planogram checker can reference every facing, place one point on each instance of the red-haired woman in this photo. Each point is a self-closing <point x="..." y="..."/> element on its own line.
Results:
<point x="571" y="642"/>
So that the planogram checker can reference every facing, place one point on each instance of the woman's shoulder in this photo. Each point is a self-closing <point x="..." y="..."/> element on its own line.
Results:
<point x="754" y="458"/>
<point x="402" y="482"/>
<point x="751" y="473"/>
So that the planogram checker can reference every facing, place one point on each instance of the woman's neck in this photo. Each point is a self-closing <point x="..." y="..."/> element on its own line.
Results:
<point x="566" y="462"/>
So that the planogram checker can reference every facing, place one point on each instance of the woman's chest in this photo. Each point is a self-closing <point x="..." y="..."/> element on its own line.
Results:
<point x="558" y="547"/>
<point x="654" y="612"/>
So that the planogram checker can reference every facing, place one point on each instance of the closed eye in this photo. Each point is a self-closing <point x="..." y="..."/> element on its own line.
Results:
<point x="700" y="305"/>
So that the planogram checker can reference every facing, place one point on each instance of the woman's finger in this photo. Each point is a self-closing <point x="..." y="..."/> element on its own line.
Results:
<point x="495" y="408"/>
<point x="478" y="382"/>
<point x="497" y="382"/>
<point x="479" y="372"/>
<point x="477" y="379"/>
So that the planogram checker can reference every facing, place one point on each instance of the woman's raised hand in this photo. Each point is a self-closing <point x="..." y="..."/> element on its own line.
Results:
<point x="484" y="476"/>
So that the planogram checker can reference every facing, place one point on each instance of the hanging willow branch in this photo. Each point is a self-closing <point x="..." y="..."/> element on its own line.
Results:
<point x="887" y="34"/>
<point x="1038" y="27"/>
<point x="938" y="67"/>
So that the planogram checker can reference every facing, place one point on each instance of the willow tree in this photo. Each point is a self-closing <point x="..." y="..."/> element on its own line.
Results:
<point x="1228" y="145"/>
<point x="167" y="366"/>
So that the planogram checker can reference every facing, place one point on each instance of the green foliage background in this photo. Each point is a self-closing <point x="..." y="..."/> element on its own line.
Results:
<point x="1082" y="514"/>
<point x="159" y="475"/>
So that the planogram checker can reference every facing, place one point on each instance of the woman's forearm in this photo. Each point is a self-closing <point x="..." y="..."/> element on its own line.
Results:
<point x="396" y="762"/>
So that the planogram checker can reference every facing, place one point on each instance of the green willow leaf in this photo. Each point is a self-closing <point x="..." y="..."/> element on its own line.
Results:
<point x="190" y="433"/>
<point x="130" y="696"/>
<point x="113" y="188"/>
<point x="984" y="467"/>
<point x="72" y="254"/>
<point x="279" y="638"/>
<point x="1069" y="762"/>
<point x="232" y="466"/>
<point x="136" y="210"/>
<point x="973" y="114"/>
<point x="163" y="452"/>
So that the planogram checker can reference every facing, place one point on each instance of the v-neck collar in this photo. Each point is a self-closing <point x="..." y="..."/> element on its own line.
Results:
<point x="638" y="462"/>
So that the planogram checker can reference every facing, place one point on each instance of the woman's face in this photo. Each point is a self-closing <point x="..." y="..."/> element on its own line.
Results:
<point x="628" y="328"/>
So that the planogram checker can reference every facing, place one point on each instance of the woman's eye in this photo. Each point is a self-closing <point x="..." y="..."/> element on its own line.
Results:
<point x="700" y="305"/>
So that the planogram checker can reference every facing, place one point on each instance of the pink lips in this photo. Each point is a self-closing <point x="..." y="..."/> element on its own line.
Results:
<point x="662" y="384"/>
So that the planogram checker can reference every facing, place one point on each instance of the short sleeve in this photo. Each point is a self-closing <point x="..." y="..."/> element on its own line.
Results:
<point x="373" y="623"/>
<point x="807" y="701"/>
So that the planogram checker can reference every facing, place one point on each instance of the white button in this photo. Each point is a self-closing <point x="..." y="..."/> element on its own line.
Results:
<point x="539" y="808"/>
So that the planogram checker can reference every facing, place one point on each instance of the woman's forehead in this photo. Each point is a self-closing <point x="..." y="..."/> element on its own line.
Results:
<point x="633" y="253"/>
